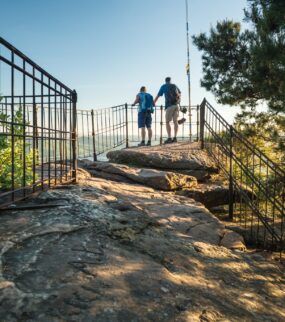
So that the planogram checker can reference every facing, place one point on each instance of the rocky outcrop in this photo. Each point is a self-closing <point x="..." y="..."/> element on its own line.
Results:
<point x="121" y="252"/>
<point x="213" y="194"/>
<point x="177" y="157"/>
<point x="210" y="194"/>
<point x="232" y="240"/>
<point x="162" y="180"/>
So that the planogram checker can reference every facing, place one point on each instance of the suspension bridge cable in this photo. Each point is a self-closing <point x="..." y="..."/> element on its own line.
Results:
<point x="188" y="69"/>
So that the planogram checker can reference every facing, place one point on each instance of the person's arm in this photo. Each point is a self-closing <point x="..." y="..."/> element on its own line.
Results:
<point x="155" y="100"/>
<point x="160" y="93"/>
<point x="137" y="100"/>
<point x="153" y="104"/>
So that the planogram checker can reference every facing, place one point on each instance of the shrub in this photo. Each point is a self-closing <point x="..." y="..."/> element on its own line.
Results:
<point x="20" y="146"/>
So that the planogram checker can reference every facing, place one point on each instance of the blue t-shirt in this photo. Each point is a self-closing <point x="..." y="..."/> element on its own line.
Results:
<point x="164" y="89"/>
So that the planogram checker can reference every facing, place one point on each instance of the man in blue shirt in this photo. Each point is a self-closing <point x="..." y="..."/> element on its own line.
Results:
<point x="146" y="105"/>
<point x="172" y="100"/>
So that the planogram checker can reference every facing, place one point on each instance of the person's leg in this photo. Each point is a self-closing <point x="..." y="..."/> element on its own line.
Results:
<point x="168" y="117"/>
<point x="142" y="143"/>
<point x="172" y="114"/>
<point x="143" y="133"/>
<point x="149" y="130"/>
<point x="141" y="124"/>
<point x="168" y="129"/>
<point x="175" y="131"/>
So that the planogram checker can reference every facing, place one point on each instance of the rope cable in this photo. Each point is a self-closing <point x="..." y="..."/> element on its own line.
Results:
<point x="188" y="68"/>
<point x="0" y="72"/>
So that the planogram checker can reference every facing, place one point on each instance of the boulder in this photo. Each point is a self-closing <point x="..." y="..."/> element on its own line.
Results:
<point x="233" y="240"/>
<point x="210" y="195"/>
<point x="200" y="175"/>
<point x="177" y="157"/>
<point x="214" y="194"/>
<point x="162" y="180"/>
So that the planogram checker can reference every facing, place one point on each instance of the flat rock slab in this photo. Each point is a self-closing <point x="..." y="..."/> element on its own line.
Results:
<point x="158" y="179"/>
<point x="213" y="194"/>
<point x="124" y="252"/>
<point x="177" y="157"/>
<point x="209" y="194"/>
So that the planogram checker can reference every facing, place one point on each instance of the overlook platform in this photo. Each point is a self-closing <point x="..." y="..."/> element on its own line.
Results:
<point x="135" y="238"/>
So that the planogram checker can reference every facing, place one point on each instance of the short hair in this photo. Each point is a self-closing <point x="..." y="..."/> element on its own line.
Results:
<point x="143" y="89"/>
<point x="168" y="79"/>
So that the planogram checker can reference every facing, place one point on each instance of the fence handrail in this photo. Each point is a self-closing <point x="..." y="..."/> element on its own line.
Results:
<point x="248" y="170"/>
<point x="251" y="146"/>
<point x="129" y="105"/>
<point x="32" y="63"/>
<point x="40" y="142"/>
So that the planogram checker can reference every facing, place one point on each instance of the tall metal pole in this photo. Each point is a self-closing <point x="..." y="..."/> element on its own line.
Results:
<point x="188" y="70"/>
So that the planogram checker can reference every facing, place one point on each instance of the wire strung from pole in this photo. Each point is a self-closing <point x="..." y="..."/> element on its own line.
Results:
<point x="188" y="69"/>
<point x="0" y="72"/>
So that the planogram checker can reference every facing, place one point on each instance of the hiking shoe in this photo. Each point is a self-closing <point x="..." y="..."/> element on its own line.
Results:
<point x="174" y="140"/>
<point x="148" y="143"/>
<point x="169" y="140"/>
<point x="142" y="143"/>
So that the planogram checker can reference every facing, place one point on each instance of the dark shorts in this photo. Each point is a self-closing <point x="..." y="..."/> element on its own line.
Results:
<point x="144" y="120"/>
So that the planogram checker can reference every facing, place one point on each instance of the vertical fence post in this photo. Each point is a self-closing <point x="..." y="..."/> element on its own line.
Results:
<point x="161" y="123"/>
<point x="198" y="122"/>
<point x="35" y="132"/>
<point x="74" y="135"/>
<point x="93" y="136"/>
<point x="127" y="126"/>
<point x="231" y="184"/>
<point x="202" y="122"/>
<point x="190" y="123"/>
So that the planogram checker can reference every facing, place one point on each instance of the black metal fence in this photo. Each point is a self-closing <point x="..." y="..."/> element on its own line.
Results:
<point x="256" y="183"/>
<point x="102" y="130"/>
<point x="37" y="127"/>
<point x="39" y="144"/>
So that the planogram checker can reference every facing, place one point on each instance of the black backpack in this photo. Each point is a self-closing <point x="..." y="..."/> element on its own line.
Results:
<point x="173" y="94"/>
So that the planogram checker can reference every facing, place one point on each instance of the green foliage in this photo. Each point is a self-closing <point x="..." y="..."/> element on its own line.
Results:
<point x="247" y="68"/>
<point x="225" y="63"/>
<point x="6" y="167"/>
<point x="6" y="153"/>
<point x="266" y="130"/>
<point x="244" y="68"/>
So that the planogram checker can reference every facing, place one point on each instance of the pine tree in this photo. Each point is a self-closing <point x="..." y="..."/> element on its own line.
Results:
<point x="247" y="68"/>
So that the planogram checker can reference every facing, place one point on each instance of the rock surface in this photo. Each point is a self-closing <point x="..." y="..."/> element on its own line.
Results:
<point x="177" y="157"/>
<point x="124" y="252"/>
<point x="232" y="240"/>
<point x="162" y="180"/>
<point x="210" y="194"/>
<point x="213" y="193"/>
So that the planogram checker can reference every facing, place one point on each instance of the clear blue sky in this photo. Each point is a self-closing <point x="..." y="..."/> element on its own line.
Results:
<point x="107" y="49"/>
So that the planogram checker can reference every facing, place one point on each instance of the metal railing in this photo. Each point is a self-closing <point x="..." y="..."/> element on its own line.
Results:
<point x="256" y="183"/>
<point x="102" y="130"/>
<point x="37" y="127"/>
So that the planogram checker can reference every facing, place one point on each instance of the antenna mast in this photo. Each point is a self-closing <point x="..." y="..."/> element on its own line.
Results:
<point x="188" y="70"/>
